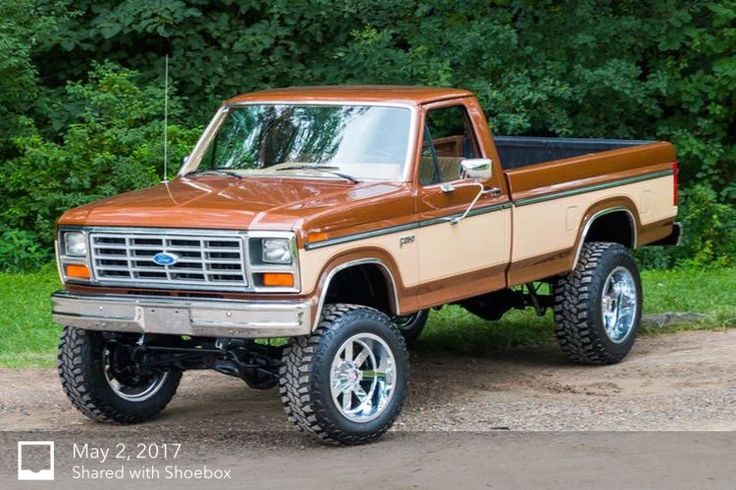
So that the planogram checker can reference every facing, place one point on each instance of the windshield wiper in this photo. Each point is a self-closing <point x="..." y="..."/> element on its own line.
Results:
<point x="321" y="168"/>
<point x="217" y="171"/>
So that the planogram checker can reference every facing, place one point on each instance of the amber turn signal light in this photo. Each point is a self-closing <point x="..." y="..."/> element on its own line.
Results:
<point x="316" y="237"/>
<point x="278" y="279"/>
<point x="77" y="271"/>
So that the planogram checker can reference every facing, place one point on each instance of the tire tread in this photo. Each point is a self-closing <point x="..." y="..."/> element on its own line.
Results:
<point x="574" y="327"/>
<point x="296" y="385"/>
<point x="72" y="361"/>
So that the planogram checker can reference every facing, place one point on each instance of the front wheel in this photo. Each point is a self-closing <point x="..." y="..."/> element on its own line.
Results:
<point x="346" y="382"/>
<point x="101" y="383"/>
<point x="597" y="306"/>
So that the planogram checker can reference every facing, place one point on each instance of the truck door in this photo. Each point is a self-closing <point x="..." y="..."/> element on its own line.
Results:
<point x="469" y="257"/>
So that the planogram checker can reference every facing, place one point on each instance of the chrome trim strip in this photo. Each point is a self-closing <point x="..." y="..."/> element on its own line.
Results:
<point x="294" y="268"/>
<point x="617" y="209"/>
<point x="353" y="263"/>
<point x="485" y="209"/>
<point x="144" y="229"/>
<point x="57" y="256"/>
<point x="678" y="228"/>
<point x="203" y="141"/>
<point x="62" y="259"/>
<point x="405" y="227"/>
<point x="362" y="235"/>
<point x="591" y="188"/>
<point x="183" y="316"/>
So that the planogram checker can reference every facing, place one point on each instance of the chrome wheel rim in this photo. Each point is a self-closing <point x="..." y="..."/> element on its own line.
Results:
<point x="363" y="377"/>
<point x="619" y="304"/>
<point x="133" y="393"/>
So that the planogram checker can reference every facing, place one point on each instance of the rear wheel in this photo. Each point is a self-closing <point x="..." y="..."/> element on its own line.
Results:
<point x="411" y="326"/>
<point x="346" y="382"/>
<point x="101" y="383"/>
<point x="598" y="305"/>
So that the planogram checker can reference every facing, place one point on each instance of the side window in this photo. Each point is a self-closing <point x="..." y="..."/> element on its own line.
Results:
<point x="448" y="139"/>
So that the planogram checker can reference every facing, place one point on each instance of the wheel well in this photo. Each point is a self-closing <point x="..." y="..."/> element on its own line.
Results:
<point x="613" y="226"/>
<point x="364" y="284"/>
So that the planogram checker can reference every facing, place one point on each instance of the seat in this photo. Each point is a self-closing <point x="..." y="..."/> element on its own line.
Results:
<point x="449" y="169"/>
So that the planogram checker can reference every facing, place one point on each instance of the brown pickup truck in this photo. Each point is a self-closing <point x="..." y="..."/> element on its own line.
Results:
<point x="311" y="230"/>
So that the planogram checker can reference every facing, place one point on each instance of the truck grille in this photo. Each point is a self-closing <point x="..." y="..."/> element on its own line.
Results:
<point x="202" y="262"/>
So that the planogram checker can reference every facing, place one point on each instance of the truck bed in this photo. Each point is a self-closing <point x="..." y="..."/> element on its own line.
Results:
<point x="521" y="151"/>
<point x="558" y="184"/>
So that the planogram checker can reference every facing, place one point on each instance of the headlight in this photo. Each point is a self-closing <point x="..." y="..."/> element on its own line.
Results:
<point x="276" y="251"/>
<point x="75" y="244"/>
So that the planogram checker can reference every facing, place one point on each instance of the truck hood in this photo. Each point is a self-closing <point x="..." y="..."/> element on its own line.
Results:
<point x="220" y="202"/>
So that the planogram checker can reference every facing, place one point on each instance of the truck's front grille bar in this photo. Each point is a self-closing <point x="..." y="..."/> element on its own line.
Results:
<point x="199" y="262"/>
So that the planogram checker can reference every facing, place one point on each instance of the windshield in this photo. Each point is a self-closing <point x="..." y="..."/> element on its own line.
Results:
<point x="354" y="142"/>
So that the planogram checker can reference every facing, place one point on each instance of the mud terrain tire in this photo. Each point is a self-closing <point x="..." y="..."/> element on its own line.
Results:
<point x="82" y="372"/>
<point x="580" y="305"/>
<point x="310" y="364"/>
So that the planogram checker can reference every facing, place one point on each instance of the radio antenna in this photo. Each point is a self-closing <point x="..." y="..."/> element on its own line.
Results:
<point x="166" y="119"/>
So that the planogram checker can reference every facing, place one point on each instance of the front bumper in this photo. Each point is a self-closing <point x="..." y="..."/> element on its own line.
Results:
<point x="182" y="316"/>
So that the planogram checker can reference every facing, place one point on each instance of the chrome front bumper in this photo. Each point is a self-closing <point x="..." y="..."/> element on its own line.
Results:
<point x="182" y="316"/>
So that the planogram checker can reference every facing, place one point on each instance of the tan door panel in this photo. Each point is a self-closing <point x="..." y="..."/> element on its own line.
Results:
<point x="469" y="257"/>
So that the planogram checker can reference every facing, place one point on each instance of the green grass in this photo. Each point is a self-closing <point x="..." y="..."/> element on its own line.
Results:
<point x="28" y="336"/>
<point x="710" y="292"/>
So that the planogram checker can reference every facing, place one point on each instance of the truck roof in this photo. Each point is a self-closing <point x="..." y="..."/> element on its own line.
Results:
<point x="397" y="94"/>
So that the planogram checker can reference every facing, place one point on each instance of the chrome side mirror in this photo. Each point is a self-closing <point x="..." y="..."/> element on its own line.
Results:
<point x="478" y="169"/>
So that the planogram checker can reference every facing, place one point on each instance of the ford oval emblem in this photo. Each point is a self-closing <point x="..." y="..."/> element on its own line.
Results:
<point x="165" y="258"/>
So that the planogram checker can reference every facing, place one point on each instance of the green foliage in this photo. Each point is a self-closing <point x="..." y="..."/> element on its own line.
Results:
<point x="664" y="69"/>
<point x="698" y="49"/>
<point x="709" y="238"/>
<point x="711" y="230"/>
<point x="114" y="144"/>
<point x="18" y="24"/>
<point x="20" y="250"/>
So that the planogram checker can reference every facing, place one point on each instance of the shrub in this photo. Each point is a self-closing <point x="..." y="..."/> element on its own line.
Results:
<point x="709" y="236"/>
<point x="114" y="144"/>
<point x="20" y="250"/>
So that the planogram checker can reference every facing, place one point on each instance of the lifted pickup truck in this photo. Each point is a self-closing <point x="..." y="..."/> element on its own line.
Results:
<point x="310" y="231"/>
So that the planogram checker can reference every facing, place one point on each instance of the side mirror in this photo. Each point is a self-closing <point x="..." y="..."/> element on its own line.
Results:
<point x="184" y="159"/>
<point x="479" y="169"/>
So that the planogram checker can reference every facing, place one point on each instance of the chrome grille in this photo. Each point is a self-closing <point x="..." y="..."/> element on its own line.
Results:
<point x="203" y="262"/>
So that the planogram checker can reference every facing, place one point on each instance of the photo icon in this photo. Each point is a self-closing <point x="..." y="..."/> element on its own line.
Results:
<point x="35" y="460"/>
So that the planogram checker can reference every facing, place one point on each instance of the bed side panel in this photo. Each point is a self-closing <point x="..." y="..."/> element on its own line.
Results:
<point x="554" y="201"/>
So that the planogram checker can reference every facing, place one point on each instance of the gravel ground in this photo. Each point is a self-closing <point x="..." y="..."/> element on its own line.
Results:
<point x="520" y="419"/>
<point x="684" y="381"/>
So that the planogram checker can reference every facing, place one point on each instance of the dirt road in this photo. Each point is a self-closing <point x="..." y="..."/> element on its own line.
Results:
<point x="685" y="381"/>
<point x="459" y="407"/>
